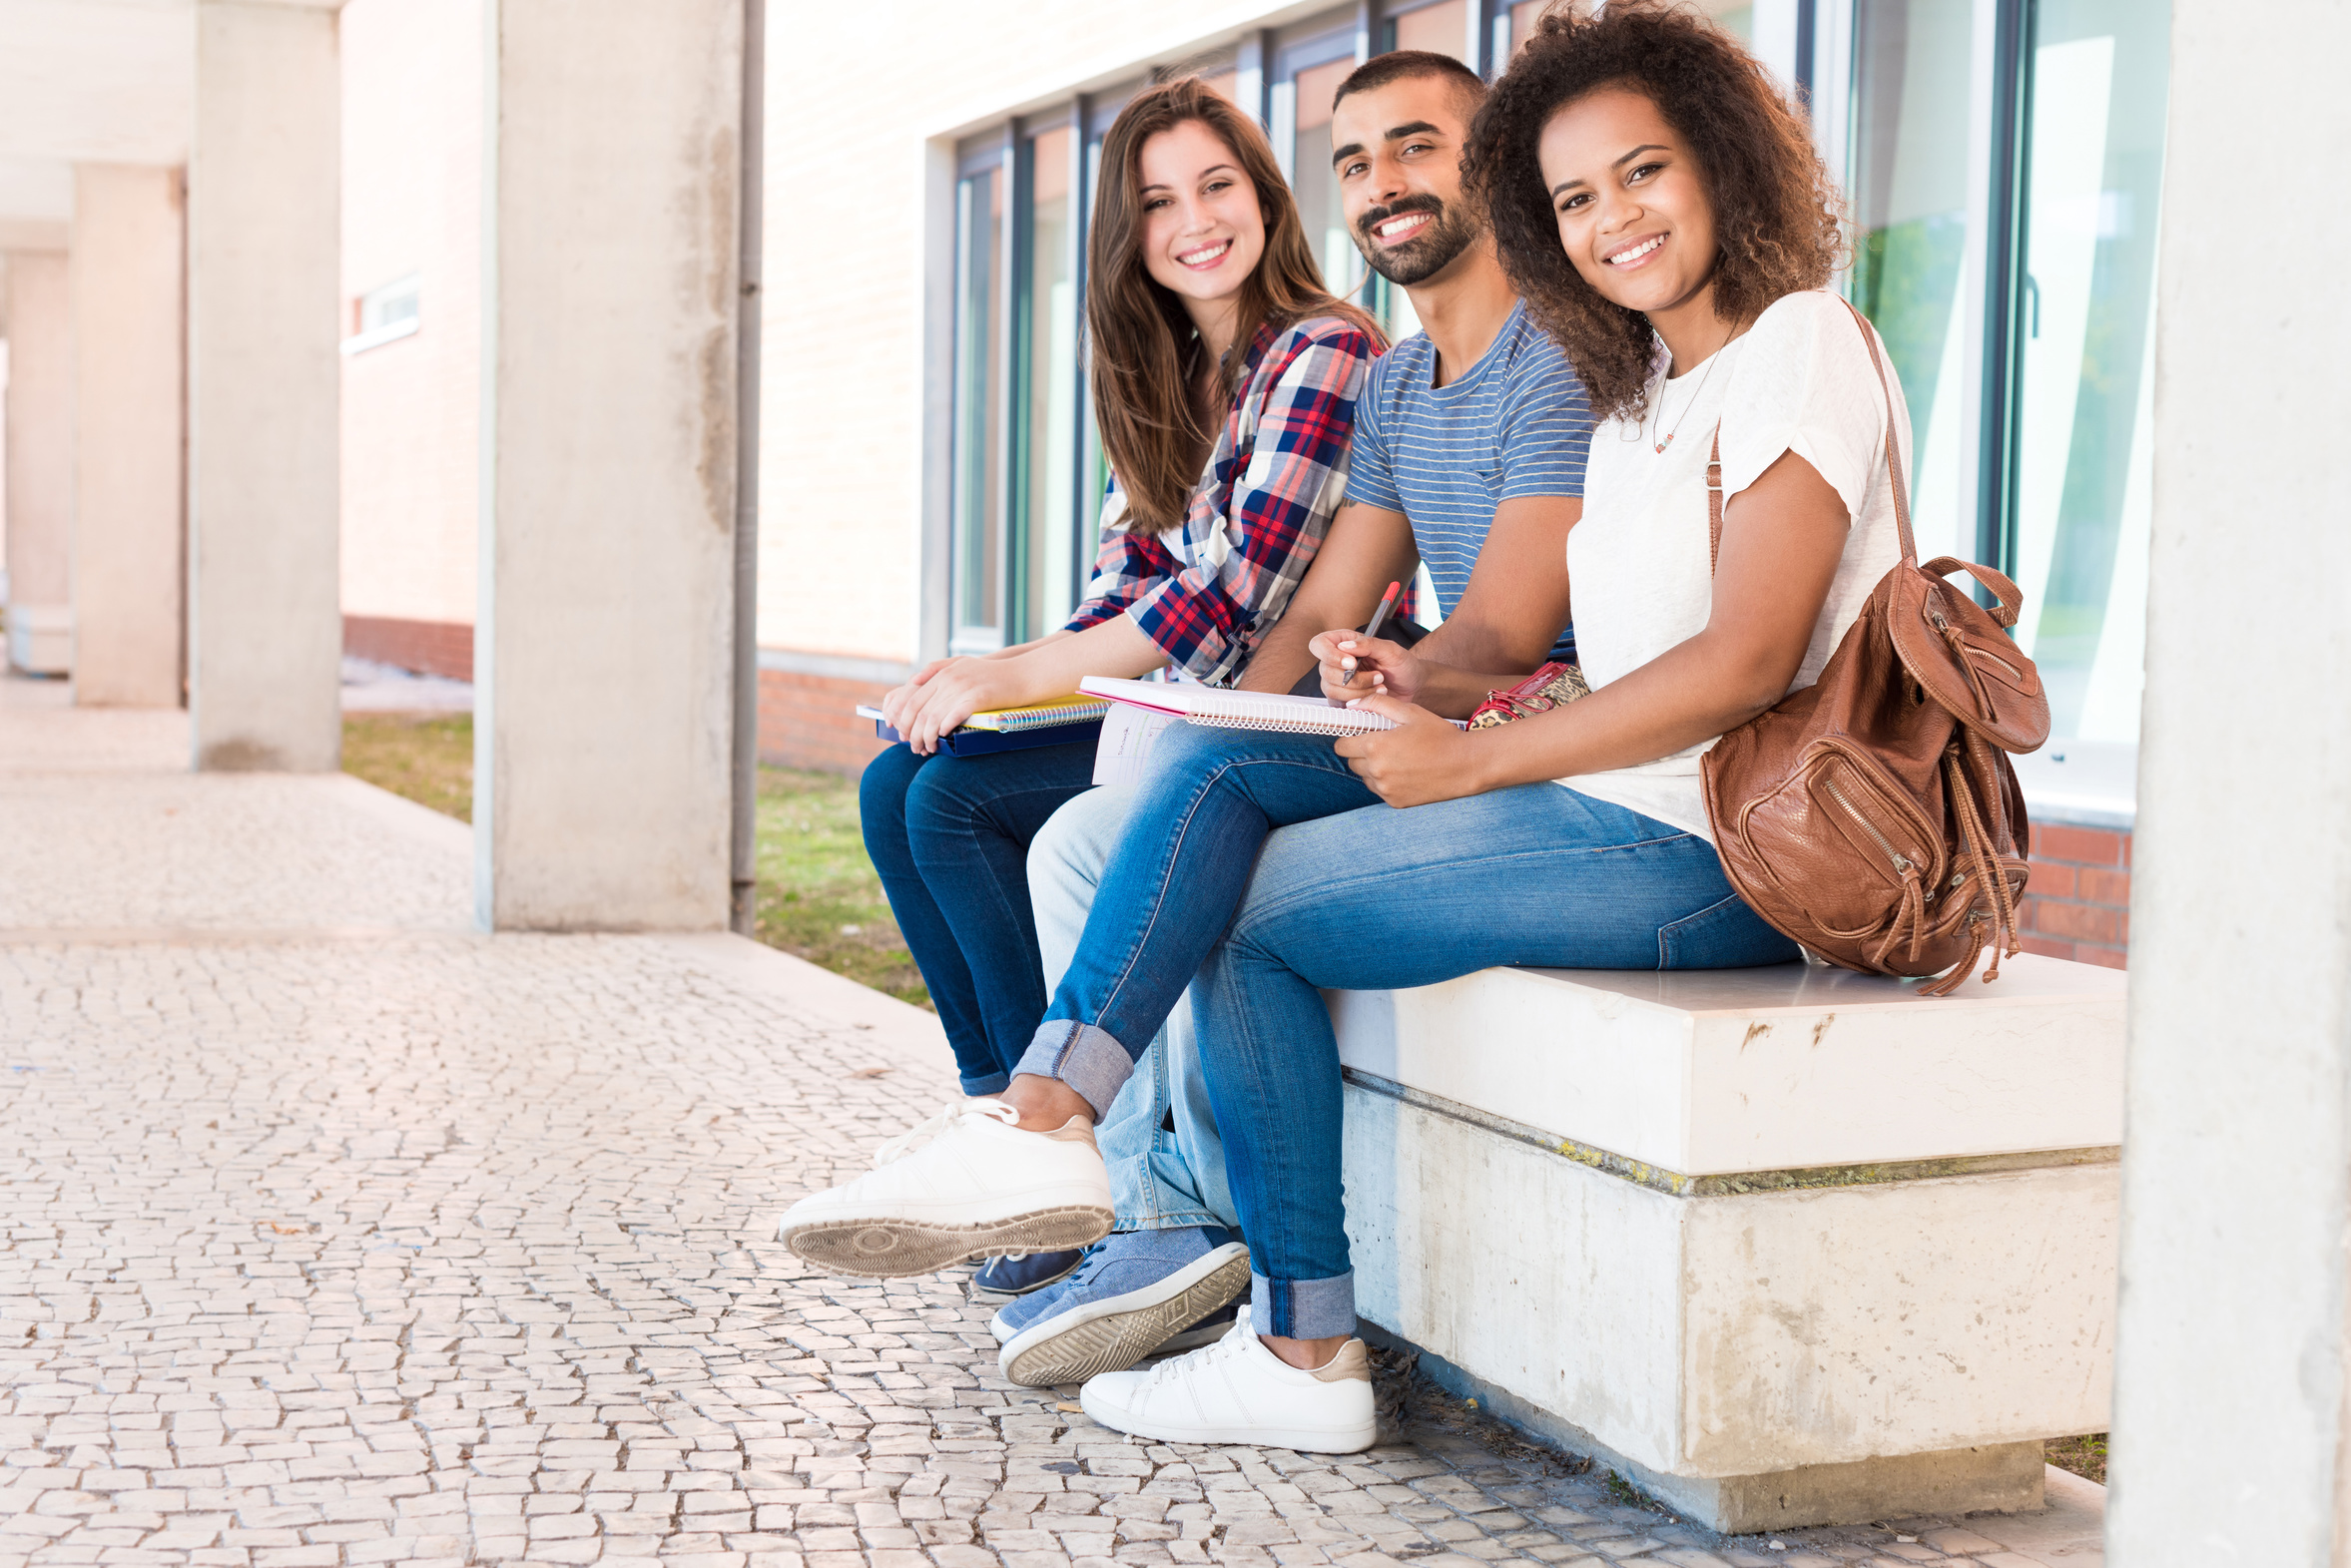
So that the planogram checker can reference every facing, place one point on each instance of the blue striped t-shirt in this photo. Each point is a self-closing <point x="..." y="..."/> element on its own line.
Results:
<point x="1516" y="423"/>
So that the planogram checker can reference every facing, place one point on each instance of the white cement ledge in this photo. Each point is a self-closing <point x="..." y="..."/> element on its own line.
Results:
<point x="1714" y="1071"/>
<point x="1797" y="1246"/>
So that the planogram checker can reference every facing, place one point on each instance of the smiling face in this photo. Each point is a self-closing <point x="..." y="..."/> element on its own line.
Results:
<point x="1630" y="200"/>
<point x="1396" y="153"/>
<point x="1203" y="232"/>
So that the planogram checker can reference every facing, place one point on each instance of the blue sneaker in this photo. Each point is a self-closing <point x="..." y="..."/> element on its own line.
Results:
<point x="1134" y="1292"/>
<point x="1017" y="1273"/>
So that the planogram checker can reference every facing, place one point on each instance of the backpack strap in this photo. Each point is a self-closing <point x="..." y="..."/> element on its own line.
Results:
<point x="1714" y="501"/>
<point x="1910" y="547"/>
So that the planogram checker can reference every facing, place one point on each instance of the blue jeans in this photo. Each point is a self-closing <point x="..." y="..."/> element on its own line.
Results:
<point x="1173" y="883"/>
<point x="1167" y="1165"/>
<point x="949" y="836"/>
<point x="1361" y="897"/>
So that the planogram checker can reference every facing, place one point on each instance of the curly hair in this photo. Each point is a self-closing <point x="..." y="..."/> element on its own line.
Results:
<point x="1778" y="216"/>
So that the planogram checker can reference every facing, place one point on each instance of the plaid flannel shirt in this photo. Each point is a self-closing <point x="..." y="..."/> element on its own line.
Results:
<point x="1208" y="592"/>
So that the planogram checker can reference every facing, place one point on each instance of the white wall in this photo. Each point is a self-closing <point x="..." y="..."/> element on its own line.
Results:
<point x="411" y="145"/>
<point x="2230" y="1419"/>
<point x="40" y="439"/>
<point x="264" y="632"/>
<point x="128" y="284"/>
<point x="603" y="659"/>
<point x="856" y="116"/>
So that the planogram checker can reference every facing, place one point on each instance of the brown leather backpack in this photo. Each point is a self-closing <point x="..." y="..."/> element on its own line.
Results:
<point x="1874" y="815"/>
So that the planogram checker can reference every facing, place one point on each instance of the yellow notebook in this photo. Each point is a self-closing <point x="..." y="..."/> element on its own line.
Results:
<point x="1073" y="708"/>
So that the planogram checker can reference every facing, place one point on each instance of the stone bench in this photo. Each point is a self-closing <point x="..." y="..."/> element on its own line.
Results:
<point x="1784" y="1245"/>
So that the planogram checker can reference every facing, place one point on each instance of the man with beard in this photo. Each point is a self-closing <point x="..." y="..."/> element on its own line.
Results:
<point x="1467" y="458"/>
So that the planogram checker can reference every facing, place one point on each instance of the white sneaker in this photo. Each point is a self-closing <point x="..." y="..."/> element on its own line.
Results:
<point x="966" y="1182"/>
<point x="1238" y="1391"/>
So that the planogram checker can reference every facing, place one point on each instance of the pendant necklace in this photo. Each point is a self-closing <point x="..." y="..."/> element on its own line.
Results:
<point x="1667" y="439"/>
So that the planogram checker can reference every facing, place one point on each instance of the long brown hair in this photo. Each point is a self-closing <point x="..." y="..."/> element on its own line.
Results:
<point x="1147" y="357"/>
<point x="1777" y="213"/>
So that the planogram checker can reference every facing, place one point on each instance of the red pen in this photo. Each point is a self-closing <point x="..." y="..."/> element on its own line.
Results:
<point x="1378" y="619"/>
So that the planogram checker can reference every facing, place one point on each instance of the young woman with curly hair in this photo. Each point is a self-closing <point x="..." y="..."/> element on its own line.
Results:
<point x="1656" y="199"/>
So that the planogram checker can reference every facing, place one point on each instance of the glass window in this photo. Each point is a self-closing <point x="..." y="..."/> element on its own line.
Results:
<point x="1318" y="189"/>
<point x="1523" y="16"/>
<point x="2007" y="255"/>
<point x="979" y="354"/>
<point x="1918" y="255"/>
<point x="1442" y="28"/>
<point x="1049" y="535"/>
<point x="2092" y="172"/>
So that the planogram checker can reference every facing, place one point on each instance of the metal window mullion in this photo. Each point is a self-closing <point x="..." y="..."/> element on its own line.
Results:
<point x="2005" y="229"/>
<point x="1008" y="289"/>
<point x="1252" y="80"/>
<point x="1489" y="37"/>
<point x="1370" y="21"/>
<point x="963" y="333"/>
<point x="1083" y="509"/>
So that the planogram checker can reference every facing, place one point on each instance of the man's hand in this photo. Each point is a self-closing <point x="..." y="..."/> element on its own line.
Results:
<point x="1424" y="758"/>
<point x="1367" y="549"/>
<point x="1378" y="665"/>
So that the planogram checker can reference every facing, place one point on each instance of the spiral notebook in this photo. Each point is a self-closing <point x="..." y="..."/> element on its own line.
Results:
<point x="1230" y="709"/>
<point x="1062" y="721"/>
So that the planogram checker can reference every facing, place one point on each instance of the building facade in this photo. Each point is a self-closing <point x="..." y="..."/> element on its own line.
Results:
<point x="930" y="476"/>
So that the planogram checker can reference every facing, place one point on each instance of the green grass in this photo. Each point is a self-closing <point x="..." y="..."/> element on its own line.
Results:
<point x="818" y="898"/>
<point x="427" y="756"/>
<point x="2084" y="1457"/>
<point x="818" y="895"/>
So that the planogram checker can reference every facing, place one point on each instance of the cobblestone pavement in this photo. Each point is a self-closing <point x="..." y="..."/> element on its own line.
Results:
<point x="339" y="1236"/>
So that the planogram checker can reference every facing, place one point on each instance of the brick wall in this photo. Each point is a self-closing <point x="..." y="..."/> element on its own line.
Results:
<point x="808" y="721"/>
<point x="427" y="647"/>
<point x="2078" y="903"/>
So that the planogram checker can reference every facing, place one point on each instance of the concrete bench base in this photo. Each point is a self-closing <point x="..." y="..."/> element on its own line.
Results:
<point x="1997" y="1478"/>
<point x="1889" y="1332"/>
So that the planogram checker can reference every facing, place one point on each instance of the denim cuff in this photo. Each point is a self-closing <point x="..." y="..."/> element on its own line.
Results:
<point x="1303" y="1309"/>
<point x="987" y="1088"/>
<point x="1089" y="1059"/>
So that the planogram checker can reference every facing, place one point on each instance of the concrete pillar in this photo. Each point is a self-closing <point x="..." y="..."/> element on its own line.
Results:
<point x="129" y="420"/>
<point x="263" y="387"/>
<point x="602" y="654"/>
<point x="38" y="431"/>
<point x="2230" y="1418"/>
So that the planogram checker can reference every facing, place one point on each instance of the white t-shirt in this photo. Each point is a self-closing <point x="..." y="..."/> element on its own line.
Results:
<point x="1799" y="380"/>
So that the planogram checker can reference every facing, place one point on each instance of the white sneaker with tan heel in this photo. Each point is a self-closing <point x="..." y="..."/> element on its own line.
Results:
<point x="966" y="1183"/>
<point x="1238" y="1391"/>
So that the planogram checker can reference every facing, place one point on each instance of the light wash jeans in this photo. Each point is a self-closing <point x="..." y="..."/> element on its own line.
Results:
<point x="1167" y="1165"/>
<point x="1269" y="874"/>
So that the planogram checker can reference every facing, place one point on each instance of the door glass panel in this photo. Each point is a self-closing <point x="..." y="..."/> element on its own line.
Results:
<point x="1317" y="191"/>
<point x="1051" y="385"/>
<point x="979" y="350"/>
<point x="1918" y="258"/>
<point x="2093" y="160"/>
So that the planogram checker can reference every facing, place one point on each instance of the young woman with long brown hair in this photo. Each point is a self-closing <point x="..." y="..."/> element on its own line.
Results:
<point x="1224" y="377"/>
<point x="1657" y="201"/>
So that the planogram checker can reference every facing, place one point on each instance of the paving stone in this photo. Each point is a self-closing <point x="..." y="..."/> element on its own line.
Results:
<point x="341" y="1235"/>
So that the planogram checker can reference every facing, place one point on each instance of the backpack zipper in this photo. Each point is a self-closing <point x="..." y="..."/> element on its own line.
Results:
<point x="1901" y="862"/>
